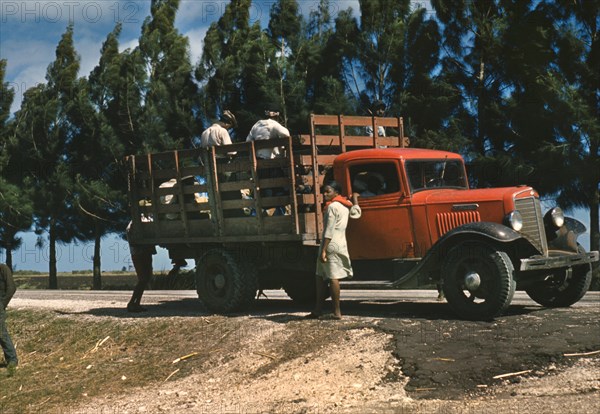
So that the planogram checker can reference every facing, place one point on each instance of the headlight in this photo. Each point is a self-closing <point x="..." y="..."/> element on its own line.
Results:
<point x="514" y="220"/>
<point x="555" y="218"/>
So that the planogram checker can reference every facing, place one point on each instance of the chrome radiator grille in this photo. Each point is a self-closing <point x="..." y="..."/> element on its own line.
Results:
<point x="533" y="225"/>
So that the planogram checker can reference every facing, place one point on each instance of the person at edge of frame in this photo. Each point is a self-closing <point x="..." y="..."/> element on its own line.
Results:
<point x="7" y="291"/>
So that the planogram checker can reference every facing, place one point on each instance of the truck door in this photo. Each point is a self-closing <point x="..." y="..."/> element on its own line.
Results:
<point x="384" y="231"/>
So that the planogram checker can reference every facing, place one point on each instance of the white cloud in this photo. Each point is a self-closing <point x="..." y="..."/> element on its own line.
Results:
<point x="89" y="51"/>
<point x="199" y="13"/>
<point x="196" y="41"/>
<point x="129" y="44"/>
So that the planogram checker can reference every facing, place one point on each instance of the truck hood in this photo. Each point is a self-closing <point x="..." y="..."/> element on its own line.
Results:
<point x="482" y="195"/>
<point x="441" y="210"/>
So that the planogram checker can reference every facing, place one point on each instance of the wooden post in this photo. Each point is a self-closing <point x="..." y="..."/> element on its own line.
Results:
<point x="315" y="172"/>
<point x="256" y="190"/>
<point x="293" y="198"/>
<point x="184" y="219"/>
<point x="155" y="200"/>
<point x="134" y="200"/>
<point x="216" y="191"/>
<point x="342" y="132"/>
<point x="375" y="132"/>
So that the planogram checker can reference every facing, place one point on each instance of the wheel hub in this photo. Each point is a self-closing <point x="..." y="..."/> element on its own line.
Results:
<point x="472" y="281"/>
<point x="219" y="281"/>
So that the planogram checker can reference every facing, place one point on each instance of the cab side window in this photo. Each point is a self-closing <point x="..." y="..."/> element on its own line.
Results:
<point x="375" y="179"/>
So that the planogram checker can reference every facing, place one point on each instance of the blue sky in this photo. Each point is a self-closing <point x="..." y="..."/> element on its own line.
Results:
<point x="29" y="33"/>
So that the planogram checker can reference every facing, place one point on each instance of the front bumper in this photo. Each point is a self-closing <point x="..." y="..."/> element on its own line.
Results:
<point x="554" y="262"/>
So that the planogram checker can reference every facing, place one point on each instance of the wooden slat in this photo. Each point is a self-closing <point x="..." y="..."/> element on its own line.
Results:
<point x="321" y="159"/>
<point x="330" y="120"/>
<point x="270" y="202"/>
<point x="236" y="185"/>
<point x="192" y="171"/>
<point x="163" y="175"/>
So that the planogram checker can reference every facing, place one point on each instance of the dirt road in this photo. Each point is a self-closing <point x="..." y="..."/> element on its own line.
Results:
<point x="394" y="352"/>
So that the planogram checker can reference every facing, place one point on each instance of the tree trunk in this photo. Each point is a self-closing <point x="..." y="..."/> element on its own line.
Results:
<point x="97" y="275"/>
<point x="52" y="275"/>
<point x="9" y="260"/>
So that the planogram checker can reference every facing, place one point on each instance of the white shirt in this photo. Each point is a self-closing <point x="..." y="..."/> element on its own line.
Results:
<point x="267" y="129"/>
<point x="215" y="135"/>
<point x="380" y="131"/>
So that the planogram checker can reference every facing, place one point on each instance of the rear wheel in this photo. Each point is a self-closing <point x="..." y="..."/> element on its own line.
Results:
<point x="478" y="281"/>
<point x="562" y="289"/>
<point x="224" y="283"/>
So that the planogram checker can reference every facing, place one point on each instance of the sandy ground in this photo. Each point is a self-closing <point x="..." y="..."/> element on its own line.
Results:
<point x="280" y="363"/>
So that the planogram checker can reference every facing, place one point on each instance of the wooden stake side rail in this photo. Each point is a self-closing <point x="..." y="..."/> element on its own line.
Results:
<point x="227" y="194"/>
<point x="213" y="195"/>
<point x="351" y="131"/>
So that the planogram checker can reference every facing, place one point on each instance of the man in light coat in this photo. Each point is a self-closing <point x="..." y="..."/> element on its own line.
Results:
<point x="7" y="290"/>
<point x="265" y="129"/>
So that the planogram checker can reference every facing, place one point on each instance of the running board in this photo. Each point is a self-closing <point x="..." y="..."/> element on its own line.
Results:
<point x="366" y="284"/>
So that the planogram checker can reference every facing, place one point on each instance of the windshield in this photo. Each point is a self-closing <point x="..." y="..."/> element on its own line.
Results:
<point x="425" y="174"/>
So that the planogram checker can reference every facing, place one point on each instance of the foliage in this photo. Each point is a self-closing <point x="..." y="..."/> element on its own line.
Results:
<point x="16" y="210"/>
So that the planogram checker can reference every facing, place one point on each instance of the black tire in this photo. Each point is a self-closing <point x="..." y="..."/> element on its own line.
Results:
<point x="496" y="286"/>
<point x="562" y="289"/>
<point x="224" y="283"/>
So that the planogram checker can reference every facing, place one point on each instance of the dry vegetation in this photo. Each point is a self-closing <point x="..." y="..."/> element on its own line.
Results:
<point x="63" y="359"/>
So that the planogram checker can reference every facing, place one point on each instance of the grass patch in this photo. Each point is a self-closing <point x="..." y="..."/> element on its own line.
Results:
<point x="65" y="360"/>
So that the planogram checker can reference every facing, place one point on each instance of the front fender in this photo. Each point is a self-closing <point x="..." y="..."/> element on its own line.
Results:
<point x="479" y="232"/>
<point x="495" y="231"/>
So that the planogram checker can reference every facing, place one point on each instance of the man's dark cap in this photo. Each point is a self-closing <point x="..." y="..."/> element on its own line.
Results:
<point x="228" y="118"/>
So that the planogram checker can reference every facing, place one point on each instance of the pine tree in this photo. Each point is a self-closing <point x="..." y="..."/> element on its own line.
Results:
<point x="583" y="76"/>
<point x="45" y="129"/>
<point x="328" y="84"/>
<point x="572" y="101"/>
<point x="230" y="46"/>
<point x="98" y="152"/>
<point x="170" y="93"/>
<point x="288" y="82"/>
<point x="472" y="65"/>
<point x="16" y="210"/>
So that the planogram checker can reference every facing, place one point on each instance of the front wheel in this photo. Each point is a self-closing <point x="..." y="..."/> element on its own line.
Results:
<point x="564" y="288"/>
<point x="224" y="283"/>
<point x="478" y="281"/>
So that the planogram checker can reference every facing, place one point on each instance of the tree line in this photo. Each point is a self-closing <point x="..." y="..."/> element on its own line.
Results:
<point x="514" y="86"/>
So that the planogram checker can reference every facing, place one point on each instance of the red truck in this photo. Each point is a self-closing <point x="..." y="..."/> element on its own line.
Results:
<point x="421" y="225"/>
